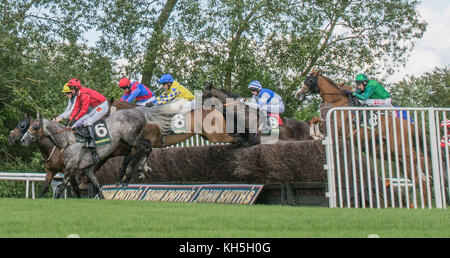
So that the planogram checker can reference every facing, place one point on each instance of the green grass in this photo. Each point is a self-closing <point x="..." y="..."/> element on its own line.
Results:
<point x="100" y="218"/>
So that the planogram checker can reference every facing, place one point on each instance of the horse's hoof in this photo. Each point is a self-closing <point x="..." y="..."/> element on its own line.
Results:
<point x="100" y="196"/>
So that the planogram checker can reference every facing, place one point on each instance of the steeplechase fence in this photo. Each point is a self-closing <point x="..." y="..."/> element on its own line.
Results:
<point x="387" y="157"/>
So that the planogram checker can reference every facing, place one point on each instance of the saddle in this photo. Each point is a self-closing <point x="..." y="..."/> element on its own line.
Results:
<point x="101" y="133"/>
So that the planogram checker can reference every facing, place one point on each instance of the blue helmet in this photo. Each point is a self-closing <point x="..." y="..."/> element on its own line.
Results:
<point x="165" y="78"/>
<point x="255" y="85"/>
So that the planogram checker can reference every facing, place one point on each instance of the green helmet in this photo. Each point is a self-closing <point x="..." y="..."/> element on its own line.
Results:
<point x="361" y="78"/>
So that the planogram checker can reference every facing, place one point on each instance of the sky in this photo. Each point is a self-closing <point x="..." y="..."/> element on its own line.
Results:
<point x="433" y="49"/>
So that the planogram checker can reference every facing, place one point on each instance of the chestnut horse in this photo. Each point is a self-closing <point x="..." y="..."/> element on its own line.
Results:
<point x="334" y="94"/>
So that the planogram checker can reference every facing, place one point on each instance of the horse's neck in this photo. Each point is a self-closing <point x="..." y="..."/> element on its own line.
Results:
<point x="332" y="95"/>
<point x="57" y="133"/>
<point x="45" y="145"/>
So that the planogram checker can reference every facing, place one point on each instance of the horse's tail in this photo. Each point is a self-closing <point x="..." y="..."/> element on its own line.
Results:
<point x="159" y="115"/>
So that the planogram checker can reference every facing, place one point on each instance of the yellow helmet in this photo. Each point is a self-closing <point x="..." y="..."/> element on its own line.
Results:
<point x="65" y="88"/>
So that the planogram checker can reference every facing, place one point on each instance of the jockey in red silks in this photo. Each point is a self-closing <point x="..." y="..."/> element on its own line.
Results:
<point x="135" y="90"/>
<point x="80" y="115"/>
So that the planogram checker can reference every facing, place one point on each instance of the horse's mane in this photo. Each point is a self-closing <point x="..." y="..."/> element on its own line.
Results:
<point x="228" y="93"/>
<point x="340" y="86"/>
<point x="330" y="81"/>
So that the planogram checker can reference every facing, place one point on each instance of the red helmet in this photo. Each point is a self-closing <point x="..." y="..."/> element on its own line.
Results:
<point x="74" y="83"/>
<point x="124" y="82"/>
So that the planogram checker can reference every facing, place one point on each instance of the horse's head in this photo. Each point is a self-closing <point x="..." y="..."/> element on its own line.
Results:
<point x="34" y="133"/>
<point x="312" y="82"/>
<point x="19" y="130"/>
<point x="207" y="91"/>
<point x="310" y="86"/>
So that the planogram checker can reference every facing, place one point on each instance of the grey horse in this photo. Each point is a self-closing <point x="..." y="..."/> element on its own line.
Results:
<point x="124" y="127"/>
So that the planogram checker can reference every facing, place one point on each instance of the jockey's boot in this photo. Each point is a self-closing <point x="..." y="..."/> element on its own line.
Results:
<point x="91" y="141"/>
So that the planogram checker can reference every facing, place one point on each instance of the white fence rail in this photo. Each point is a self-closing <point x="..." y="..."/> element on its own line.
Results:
<point x="27" y="177"/>
<point x="31" y="178"/>
<point x="385" y="163"/>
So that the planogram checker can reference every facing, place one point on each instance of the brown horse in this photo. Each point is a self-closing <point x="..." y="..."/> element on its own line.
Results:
<point x="335" y="95"/>
<point x="50" y="155"/>
<point x="290" y="130"/>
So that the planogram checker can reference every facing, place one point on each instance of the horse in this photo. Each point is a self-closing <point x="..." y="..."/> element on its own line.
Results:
<point x="290" y="129"/>
<point x="50" y="155"/>
<point x="124" y="127"/>
<point x="334" y="94"/>
<point x="211" y="125"/>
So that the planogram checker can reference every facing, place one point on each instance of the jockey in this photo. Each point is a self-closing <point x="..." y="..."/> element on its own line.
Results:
<point x="135" y="90"/>
<point x="71" y="102"/>
<point x="371" y="93"/>
<point x="174" y="91"/>
<point x="266" y="100"/>
<point x="80" y="115"/>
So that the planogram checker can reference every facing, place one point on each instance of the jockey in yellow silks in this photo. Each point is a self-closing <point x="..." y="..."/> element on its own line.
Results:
<point x="174" y="93"/>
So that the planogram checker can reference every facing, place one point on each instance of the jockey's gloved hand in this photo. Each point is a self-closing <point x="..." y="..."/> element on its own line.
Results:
<point x="151" y="104"/>
<point x="70" y="123"/>
<point x="349" y="92"/>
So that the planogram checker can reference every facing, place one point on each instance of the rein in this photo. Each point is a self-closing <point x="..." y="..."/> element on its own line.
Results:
<point x="51" y="154"/>
<point x="232" y="103"/>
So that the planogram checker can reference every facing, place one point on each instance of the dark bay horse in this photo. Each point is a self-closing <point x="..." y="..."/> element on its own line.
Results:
<point x="290" y="130"/>
<point x="50" y="155"/>
<point x="334" y="94"/>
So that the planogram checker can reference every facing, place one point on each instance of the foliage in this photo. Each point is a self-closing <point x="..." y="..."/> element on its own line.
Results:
<point x="428" y="90"/>
<point x="230" y="43"/>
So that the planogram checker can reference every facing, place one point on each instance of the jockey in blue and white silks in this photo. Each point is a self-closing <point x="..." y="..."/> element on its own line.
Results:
<point x="265" y="99"/>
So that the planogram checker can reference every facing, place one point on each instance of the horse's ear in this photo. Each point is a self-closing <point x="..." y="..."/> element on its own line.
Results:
<point x="38" y="115"/>
<point x="209" y="86"/>
<point x="111" y="100"/>
<point x="26" y="115"/>
<point x="315" y="73"/>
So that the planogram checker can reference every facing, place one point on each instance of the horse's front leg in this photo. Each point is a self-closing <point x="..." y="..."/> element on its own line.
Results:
<point x="123" y="169"/>
<point x="48" y="180"/>
<point x="75" y="187"/>
<point x="62" y="186"/>
<point x="143" y="152"/>
<point x="90" y="174"/>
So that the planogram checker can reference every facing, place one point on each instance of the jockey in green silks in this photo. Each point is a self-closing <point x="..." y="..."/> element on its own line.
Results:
<point x="371" y="93"/>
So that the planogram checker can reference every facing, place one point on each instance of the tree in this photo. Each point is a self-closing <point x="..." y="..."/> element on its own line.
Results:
<point x="40" y="51"/>
<point x="431" y="89"/>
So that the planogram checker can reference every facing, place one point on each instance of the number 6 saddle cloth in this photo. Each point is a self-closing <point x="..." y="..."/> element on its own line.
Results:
<point x="101" y="133"/>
